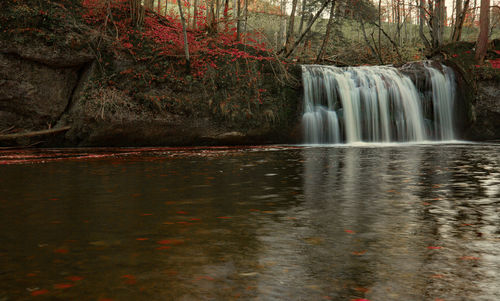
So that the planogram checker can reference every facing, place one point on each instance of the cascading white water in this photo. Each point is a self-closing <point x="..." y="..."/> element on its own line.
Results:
<point x="374" y="104"/>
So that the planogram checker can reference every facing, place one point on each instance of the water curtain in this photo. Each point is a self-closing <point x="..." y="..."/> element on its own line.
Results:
<point x="377" y="104"/>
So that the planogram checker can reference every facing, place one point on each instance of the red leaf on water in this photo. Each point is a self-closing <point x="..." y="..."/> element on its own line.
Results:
<point x="39" y="292"/>
<point x="146" y="214"/>
<point x="181" y="212"/>
<point x="31" y="274"/>
<point x="361" y="289"/>
<point x="224" y="217"/>
<point x="164" y="248"/>
<point x="63" y="285"/>
<point x="74" y="278"/>
<point x="359" y="253"/>
<point x="142" y="238"/>
<point x="170" y="242"/>
<point x="130" y="279"/>
<point x="426" y="204"/>
<point x="195" y="219"/>
<point x="61" y="251"/>
<point x="434" y="247"/>
<point x="349" y="231"/>
<point x="437" y="276"/>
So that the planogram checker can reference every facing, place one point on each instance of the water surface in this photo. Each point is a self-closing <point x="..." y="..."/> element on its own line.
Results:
<point x="414" y="222"/>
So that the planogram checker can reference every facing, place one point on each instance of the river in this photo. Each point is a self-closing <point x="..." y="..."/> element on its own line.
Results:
<point x="391" y="222"/>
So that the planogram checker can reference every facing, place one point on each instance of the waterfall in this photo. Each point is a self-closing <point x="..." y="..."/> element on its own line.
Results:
<point x="376" y="104"/>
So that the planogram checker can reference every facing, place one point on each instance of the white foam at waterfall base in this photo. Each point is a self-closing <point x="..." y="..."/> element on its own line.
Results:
<point x="373" y="104"/>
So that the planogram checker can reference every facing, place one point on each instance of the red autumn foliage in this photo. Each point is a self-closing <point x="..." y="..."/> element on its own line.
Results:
<point x="207" y="49"/>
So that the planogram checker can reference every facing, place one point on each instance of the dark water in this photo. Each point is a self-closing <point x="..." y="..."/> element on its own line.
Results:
<point x="342" y="223"/>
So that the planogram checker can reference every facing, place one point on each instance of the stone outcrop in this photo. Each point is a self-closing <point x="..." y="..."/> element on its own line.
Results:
<point x="42" y="89"/>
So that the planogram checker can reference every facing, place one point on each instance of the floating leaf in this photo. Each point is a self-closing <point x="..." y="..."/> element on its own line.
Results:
<point x="39" y="292"/>
<point x="224" y="217"/>
<point x="434" y="247"/>
<point x="349" y="231"/>
<point x="61" y="251"/>
<point x="142" y="238"/>
<point x="129" y="279"/>
<point x="63" y="285"/>
<point x="359" y="253"/>
<point x="170" y="241"/>
<point x="164" y="248"/>
<point x="74" y="278"/>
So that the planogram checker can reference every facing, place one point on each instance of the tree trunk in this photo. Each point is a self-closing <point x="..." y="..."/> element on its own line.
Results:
<point x="374" y="52"/>
<point x="484" y="26"/>
<point x="309" y="26"/>
<point x="303" y="15"/>
<point x="184" y="32"/>
<point x="459" y="22"/>
<point x="421" y="24"/>
<point x="195" y="14"/>
<point x="329" y="26"/>
<point x="136" y="12"/>
<point x="149" y="4"/>
<point x="238" y="21"/>
<point x="291" y="22"/>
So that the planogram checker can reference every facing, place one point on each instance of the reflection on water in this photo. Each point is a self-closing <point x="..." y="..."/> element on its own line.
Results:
<point x="380" y="223"/>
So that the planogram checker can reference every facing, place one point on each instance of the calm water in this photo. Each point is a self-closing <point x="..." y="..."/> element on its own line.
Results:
<point x="297" y="223"/>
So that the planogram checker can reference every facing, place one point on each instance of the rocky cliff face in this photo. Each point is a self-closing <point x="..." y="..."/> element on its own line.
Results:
<point x="41" y="89"/>
<point x="486" y="112"/>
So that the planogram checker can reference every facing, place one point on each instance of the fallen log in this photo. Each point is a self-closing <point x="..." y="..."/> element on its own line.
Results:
<point x="34" y="133"/>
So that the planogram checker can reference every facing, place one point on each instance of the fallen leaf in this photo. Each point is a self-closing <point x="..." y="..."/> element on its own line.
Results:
<point x="434" y="247"/>
<point x="359" y="253"/>
<point x="349" y="231"/>
<point x="63" y="285"/>
<point x="181" y="212"/>
<point x="74" y="278"/>
<point x="130" y="279"/>
<point x="31" y="274"/>
<point x="61" y="251"/>
<point x="142" y="238"/>
<point x="39" y="292"/>
<point x="164" y="248"/>
<point x="361" y="289"/>
<point x="224" y="217"/>
<point x="170" y="241"/>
